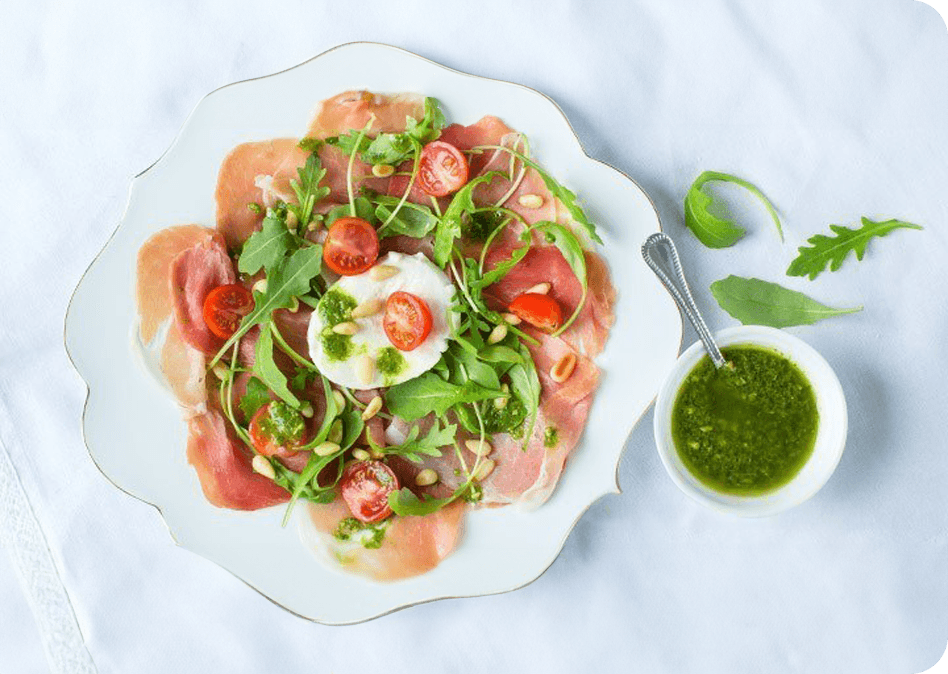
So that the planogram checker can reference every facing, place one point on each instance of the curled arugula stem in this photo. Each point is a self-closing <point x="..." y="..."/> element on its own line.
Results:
<point x="365" y="130"/>
<point x="436" y="206"/>
<point x="411" y="183"/>
<point x="288" y="350"/>
<point x="521" y="139"/>
<point x="347" y="394"/>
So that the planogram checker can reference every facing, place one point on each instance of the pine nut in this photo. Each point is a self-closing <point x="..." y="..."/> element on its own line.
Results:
<point x="563" y="368"/>
<point x="313" y="226"/>
<point x="512" y="319"/>
<point x="339" y="399"/>
<point x="291" y="220"/>
<point x="426" y="477"/>
<point x="260" y="286"/>
<point x="335" y="432"/>
<point x="501" y="403"/>
<point x="372" y="408"/>
<point x="220" y="372"/>
<point x="530" y="200"/>
<point x="497" y="334"/>
<point x="307" y="410"/>
<point x="479" y="447"/>
<point x="365" y="369"/>
<point x="380" y="272"/>
<point x="539" y="289"/>
<point x="360" y="455"/>
<point x="369" y="307"/>
<point x="262" y="466"/>
<point x="383" y="170"/>
<point x="326" y="448"/>
<point x="347" y="328"/>
<point x="483" y="470"/>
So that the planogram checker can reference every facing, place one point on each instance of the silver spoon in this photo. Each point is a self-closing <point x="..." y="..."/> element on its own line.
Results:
<point x="680" y="291"/>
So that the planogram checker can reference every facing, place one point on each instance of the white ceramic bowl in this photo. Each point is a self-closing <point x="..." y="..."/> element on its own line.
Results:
<point x="830" y="438"/>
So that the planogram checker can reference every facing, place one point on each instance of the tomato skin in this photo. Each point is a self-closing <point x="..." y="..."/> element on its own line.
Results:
<point x="443" y="169"/>
<point x="224" y="307"/>
<point x="264" y="443"/>
<point x="540" y="311"/>
<point x="407" y="320"/>
<point x="351" y="246"/>
<point x="365" y="487"/>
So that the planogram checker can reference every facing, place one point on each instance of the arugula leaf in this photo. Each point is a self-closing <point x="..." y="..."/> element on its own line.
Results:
<point x="525" y="383"/>
<point x="352" y="426"/>
<point x="429" y="128"/>
<point x="502" y="268"/>
<point x="404" y="502"/>
<point x="449" y="228"/>
<point x="499" y="353"/>
<point x="364" y="210"/>
<point x="267" y="247"/>
<point x="428" y="393"/>
<point x="307" y="189"/>
<point x="572" y="250"/>
<point x="565" y="196"/>
<point x="257" y="396"/>
<point x="474" y="369"/>
<point x="289" y="279"/>
<point x="711" y="230"/>
<point x="832" y="251"/>
<point x="413" y="447"/>
<point x="411" y="220"/>
<point x="756" y="302"/>
<point x="265" y="367"/>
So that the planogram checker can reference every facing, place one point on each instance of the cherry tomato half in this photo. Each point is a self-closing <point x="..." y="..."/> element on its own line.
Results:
<point x="407" y="320"/>
<point x="351" y="246"/>
<point x="443" y="169"/>
<point x="225" y="306"/>
<point x="276" y="429"/>
<point x="365" y="488"/>
<point x="540" y="311"/>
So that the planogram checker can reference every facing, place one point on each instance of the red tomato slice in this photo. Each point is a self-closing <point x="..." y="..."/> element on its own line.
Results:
<point x="443" y="169"/>
<point x="365" y="488"/>
<point x="263" y="439"/>
<point x="540" y="311"/>
<point x="407" y="320"/>
<point x="225" y="306"/>
<point x="351" y="247"/>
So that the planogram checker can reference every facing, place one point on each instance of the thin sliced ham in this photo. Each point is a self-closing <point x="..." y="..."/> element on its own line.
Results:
<point x="194" y="273"/>
<point x="154" y="269"/>
<point x="411" y="545"/>
<point x="238" y="184"/>
<point x="351" y="110"/>
<point x="185" y="370"/>
<point x="223" y="467"/>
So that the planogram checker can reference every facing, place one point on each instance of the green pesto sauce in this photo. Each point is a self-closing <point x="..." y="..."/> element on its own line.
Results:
<point x="390" y="362"/>
<point x="749" y="429"/>
<point x="509" y="419"/>
<point x="371" y="539"/>
<point x="551" y="437"/>
<point x="337" y="347"/>
<point x="282" y="423"/>
<point x="336" y="307"/>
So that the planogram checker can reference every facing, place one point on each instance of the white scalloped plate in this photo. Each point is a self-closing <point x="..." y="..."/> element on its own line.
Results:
<point x="133" y="427"/>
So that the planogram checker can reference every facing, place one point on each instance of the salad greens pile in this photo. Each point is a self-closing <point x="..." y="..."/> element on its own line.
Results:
<point x="756" y="302"/>
<point x="485" y="383"/>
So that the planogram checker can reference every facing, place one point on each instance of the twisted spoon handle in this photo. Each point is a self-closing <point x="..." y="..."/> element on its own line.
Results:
<point x="679" y="289"/>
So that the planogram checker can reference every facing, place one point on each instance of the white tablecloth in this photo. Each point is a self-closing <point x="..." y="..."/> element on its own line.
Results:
<point x="836" y="108"/>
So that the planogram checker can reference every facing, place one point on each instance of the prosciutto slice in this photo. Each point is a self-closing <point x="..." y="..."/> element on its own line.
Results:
<point x="223" y="467"/>
<point x="411" y="546"/>
<point x="353" y="109"/>
<point x="274" y="162"/>
<point x="194" y="273"/>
